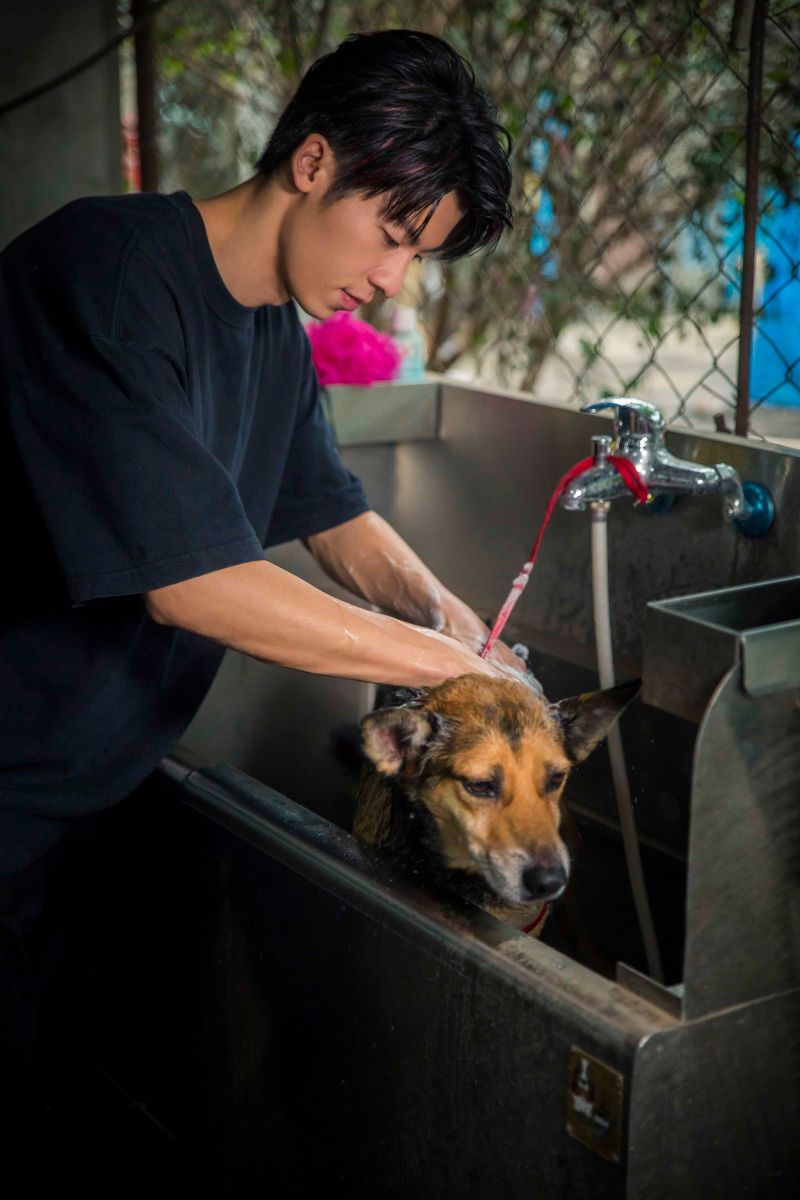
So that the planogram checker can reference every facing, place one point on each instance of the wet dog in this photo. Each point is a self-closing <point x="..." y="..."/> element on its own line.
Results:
<point x="465" y="780"/>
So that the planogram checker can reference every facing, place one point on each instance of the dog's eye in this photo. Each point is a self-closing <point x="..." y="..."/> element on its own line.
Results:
<point x="554" y="780"/>
<point x="482" y="789"/>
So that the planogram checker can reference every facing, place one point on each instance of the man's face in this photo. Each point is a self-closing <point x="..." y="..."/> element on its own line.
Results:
<point x="329" y="253"/>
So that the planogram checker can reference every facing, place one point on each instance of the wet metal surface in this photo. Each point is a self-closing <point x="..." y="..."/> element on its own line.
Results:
<point x="298" y="1012"/>
<point x="716" y="1105"/>
<point x="743" y="903"/>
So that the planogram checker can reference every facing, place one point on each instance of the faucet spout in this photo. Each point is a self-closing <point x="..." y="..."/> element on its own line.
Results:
<point x="599" y="482"/>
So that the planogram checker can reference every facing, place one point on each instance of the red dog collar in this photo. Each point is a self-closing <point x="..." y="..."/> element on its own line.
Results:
<point x="535" y="924"/>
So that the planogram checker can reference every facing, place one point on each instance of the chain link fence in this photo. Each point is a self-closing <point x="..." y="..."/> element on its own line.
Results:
<point x="624" y="271"/>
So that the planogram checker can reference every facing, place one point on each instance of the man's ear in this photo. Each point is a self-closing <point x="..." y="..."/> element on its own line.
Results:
<point x="586" y="719"/>
<point x="394" y="739"/>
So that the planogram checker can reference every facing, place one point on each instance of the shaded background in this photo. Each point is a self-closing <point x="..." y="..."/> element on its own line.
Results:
<point x="626" y="271"/>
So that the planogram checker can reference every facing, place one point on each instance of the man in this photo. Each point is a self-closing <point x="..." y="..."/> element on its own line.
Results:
<point x="164" y="428"/>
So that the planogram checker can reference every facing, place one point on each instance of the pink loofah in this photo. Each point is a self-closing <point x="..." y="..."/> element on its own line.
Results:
<point x="346" y="350"/>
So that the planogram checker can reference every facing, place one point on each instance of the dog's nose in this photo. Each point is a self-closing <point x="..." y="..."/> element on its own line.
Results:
<point x="542" y="883"/>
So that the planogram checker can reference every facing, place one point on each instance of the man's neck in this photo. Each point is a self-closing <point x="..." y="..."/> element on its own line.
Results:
<point x="243" y="229"/>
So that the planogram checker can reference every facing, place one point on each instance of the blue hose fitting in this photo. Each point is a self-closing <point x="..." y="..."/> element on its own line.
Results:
<point x="757" y="520"/>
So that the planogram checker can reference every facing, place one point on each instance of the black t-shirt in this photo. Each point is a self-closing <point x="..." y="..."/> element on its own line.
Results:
<point x="153" y="430"/>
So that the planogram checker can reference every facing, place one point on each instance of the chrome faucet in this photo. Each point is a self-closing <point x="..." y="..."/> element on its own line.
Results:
<point x="639" y="436"/>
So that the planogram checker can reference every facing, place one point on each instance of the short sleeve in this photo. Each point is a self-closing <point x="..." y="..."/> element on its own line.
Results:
<point x="130" y="496"/>
<point x="317" y="490"/>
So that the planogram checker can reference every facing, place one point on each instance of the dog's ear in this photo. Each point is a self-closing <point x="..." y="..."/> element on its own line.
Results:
<point x="586" y="719"/>
<point x="394" y="739"/>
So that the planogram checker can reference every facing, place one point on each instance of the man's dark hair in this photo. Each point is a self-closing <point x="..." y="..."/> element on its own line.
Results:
<point x="404" y="116"/>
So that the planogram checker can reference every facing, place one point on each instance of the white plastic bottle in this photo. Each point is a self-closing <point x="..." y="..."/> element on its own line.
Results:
<point x="410" y="343"/>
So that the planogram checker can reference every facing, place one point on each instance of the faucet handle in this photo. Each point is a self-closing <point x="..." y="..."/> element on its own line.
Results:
<point x="630" y="415"/>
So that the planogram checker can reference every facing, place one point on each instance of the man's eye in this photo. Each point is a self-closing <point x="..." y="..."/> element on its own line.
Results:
<point x="389" y="241"/>
<point x="482" y="789"/>
<point x="554" y="780"/>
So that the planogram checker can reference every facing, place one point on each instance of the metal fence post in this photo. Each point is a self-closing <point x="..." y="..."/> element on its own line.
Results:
<point x="755" y="74"/>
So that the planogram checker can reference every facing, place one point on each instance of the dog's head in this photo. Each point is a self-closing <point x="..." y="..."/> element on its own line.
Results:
<point x="488" y="758"/>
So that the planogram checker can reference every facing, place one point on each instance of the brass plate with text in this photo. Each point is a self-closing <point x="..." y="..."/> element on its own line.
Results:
<point x="594" y="1103"/>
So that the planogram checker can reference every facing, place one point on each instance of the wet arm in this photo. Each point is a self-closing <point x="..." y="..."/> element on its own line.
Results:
<point x="270" y="614"/>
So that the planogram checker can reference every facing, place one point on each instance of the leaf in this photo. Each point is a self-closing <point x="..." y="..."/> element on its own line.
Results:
<point x="286" y="62"/>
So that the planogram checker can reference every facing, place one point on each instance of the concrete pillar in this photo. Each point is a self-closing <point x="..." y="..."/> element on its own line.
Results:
<point x="67" y="143"/>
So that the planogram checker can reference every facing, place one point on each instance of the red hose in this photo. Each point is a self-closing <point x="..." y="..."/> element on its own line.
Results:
<point x="632" y="480"/>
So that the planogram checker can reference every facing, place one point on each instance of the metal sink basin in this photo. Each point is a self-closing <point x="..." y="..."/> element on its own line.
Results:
<point x="692" y="641"/>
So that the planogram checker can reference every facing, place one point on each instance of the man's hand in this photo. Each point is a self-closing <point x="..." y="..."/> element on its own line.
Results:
<point x="466" y="627"/>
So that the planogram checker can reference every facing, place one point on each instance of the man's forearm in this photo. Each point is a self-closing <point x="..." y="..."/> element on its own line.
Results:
<point x="266" y="612"/>
<point x="370" y="559"/>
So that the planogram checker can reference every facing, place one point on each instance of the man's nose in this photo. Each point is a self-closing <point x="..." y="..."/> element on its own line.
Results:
<point x="389" y="278"/>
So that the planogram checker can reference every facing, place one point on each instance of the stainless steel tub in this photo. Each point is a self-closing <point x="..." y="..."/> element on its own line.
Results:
<point x="304" y="1015"/>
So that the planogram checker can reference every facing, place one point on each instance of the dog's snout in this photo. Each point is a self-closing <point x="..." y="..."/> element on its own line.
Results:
<point x="543" y="883"/>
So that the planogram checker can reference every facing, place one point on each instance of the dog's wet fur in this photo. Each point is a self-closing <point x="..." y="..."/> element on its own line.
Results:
<point x="464" y="781"/>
